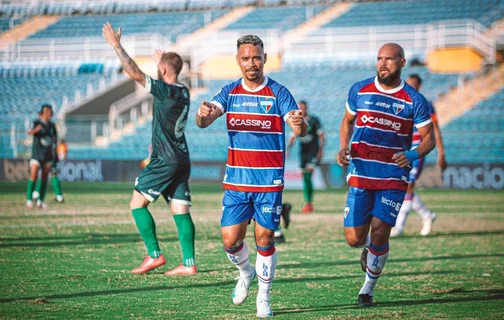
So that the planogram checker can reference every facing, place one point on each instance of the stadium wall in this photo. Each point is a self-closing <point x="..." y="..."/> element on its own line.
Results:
<point x="459" y="176"/>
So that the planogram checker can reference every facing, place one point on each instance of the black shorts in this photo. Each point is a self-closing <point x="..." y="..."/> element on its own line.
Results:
<point x="309" y="161"/>
<point x="171" y="180"/>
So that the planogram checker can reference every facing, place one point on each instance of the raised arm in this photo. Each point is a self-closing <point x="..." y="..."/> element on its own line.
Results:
<point x="129" y="66"/>
<point x="346" y="131"/>
<point x="297" y="123"/>
<point x="207" y="114"/>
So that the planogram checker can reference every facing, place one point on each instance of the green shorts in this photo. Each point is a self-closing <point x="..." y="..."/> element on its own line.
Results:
<point x="171" y="180"/>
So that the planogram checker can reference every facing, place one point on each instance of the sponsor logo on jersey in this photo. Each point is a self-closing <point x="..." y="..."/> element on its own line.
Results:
<point x="236" y="105"/>
<point x="386" y="122"/>
<point x="249" y="104"/>
<point x="279" y="210"/>
<point x="383" y="104"/>
<point x="397" y="107"/>
<point x="391" y="203"/>
<point x="266" y="105"/>
<point x="263" y="124"/>
<point x="369" y="103"/>
<point x="277" y="182"/>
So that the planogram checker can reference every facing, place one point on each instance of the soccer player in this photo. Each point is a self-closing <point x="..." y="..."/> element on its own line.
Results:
<point x="379" y="118"/>
<point x="43" y="150"/>
<point x="167" y="174"/>
<point x="312" y="146"/>
<point x="256" y="109"/>
<point x="59" y="155"/>
<point x="412" y="200"/>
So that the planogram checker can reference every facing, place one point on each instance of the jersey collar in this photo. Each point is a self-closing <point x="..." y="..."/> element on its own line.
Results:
<point x="256" y="89"/>
<point x="380" y="88"/>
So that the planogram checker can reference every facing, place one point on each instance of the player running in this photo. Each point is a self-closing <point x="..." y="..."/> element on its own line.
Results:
<point x="312" y="146"/>
<point x="256" y="109"/>
<point x="412" y="200"/>
<point x="43" y="150"/>
<point x="379" y="118"/>
<point x="167" y="174"/>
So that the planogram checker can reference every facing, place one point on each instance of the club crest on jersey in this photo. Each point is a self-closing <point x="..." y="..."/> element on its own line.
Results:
<point x="397" y="107"/>
<point x="266" y="105"/>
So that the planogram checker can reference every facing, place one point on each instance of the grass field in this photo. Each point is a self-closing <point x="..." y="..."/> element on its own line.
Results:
<point x="72" y="261"/>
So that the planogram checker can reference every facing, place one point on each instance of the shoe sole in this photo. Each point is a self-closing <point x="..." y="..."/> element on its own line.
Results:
<point x="363" y="260"/>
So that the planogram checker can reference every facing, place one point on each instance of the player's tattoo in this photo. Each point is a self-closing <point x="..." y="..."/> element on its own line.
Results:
<point x="128" y="64"/>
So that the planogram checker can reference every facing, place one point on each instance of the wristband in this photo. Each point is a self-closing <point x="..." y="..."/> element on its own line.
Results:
<point x="412" y="155"/>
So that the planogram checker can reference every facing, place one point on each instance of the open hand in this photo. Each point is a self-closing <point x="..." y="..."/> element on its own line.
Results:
<point x="109" y="34"/>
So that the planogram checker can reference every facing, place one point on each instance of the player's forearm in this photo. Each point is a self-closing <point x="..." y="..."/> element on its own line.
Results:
<point x="205" y="122"/>
<point x="129" y="66"/>
<point x="321" y="142"/>
<point x="427" y="145"/>
<point x="439" y="139"/>
<point x="346" y="130"/>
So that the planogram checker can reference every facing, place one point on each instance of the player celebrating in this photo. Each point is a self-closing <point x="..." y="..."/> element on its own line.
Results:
<point x="380" y="113"/>
<point x="413" y="200"/>
<point x="167" y="174"/>
<point x="256" y="110"/>
<point x="312" y="146"/>
<point x="43" y="150"/>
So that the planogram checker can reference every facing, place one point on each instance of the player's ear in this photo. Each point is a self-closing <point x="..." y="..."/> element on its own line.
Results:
<point x="265" y="57"/>
<point x="403" y="62"/>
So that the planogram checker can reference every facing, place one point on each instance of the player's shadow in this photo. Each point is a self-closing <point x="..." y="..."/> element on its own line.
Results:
<point x="490" y="295"/>
<point x="309" y="265"/>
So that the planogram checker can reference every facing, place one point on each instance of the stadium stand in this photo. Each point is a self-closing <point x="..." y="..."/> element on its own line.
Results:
<point x="6" y="24"/>
<point x="416" y="12"/>
<point x="170" y="24"/>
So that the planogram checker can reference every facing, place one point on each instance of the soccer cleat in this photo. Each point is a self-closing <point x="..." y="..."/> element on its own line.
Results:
<point x="286" y="209"/>
<point x="363" y="259"/>
<point x="365" y="300"/>
<point x="396" y="232"/>
<point x="279" y="238"/>
<point x="149" y="264"/>
<point x="182" y="270"/>
<point x="29" y="204"/>
<point x="427" y="224"/>
<point x="60" y="199"/>
<point x="307" y="208"/>
<point x="41" y="204"/>
<point x="263" y="307"/>
<point x="241" y="290"/>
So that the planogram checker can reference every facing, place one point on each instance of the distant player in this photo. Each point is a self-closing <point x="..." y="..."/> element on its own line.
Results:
<point x="413" y="200"/>
<point x="167" y="174"/>
<point x="312" y="147"/>
<point x="256" y="109"/>
<point x="60" y="154"/>
<point x="43" y="150"/>
<point x="379" y="118"/>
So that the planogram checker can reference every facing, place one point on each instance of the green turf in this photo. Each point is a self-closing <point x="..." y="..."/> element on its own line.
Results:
<point x="72" y="261"/>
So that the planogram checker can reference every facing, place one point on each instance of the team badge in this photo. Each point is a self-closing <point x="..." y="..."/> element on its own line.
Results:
<point x="397" y="107"/>
<point x="266" y="105"/>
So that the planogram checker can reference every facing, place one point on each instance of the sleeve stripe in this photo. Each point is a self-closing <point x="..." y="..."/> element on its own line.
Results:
<point x="219" y="105"/>
<point x="148" y="84"/>
<point x="353" y="113"/>
<point x="422" y="124"/>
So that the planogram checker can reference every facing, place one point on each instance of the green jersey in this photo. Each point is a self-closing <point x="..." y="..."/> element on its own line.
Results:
<point x="171" y="106"/>
<point x="44" y="141"/>
<point x="310" y="142"/>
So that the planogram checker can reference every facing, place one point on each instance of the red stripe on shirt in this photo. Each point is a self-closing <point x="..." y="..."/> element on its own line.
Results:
<point x="401" y="94"/>
<point x="374" y="184"/>
<point x="255" y="158"/>
<point x="234" y="187"/>
<point x="266" y="91"/>
<point x="383" y="121"/>
<point x="365" y="151"/>
<point x="253" y="122"/>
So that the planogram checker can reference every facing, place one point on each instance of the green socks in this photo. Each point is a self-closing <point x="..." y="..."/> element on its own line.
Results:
<point x="186" y="233"/>
<point x="307" y="187"/>
<point x="56" y="185"/>
<point x="29" y="190"/>
<point x="147" y="229"/>
<point x="43" y="189"/>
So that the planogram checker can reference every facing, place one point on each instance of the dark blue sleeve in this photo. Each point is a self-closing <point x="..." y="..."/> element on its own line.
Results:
<point x="285" y="101"/>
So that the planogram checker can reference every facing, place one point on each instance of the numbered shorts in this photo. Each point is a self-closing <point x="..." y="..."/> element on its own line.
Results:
<point x="264" y="207"/>
<point x="171" y="180"/>
<point x="309" y="161"/>
<point x="416" y="170"/>
<point x="362" y="204"/>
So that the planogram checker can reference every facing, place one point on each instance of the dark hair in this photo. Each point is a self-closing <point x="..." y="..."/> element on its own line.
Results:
<point x="416" y="77"/>
<point x="173" y="60"/>
<point x="303" y="102"/>
<point x="249" y="39"/>
<point x="43" y="107"/>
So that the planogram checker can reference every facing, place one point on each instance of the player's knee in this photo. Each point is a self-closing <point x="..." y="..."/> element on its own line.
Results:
<point x="265" y="239"/>
<point x="231" y="243"/>
<point x="355" y="242"/>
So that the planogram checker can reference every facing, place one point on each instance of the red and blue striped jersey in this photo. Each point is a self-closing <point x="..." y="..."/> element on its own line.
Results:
<point x="416" y="135"/>
<point x="384" y="121"/>
<point x="256" y="134"/>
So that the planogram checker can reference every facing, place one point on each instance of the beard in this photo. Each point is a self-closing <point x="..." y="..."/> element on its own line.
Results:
<point x="252" y="78"/>
<point x="391" y="78"/>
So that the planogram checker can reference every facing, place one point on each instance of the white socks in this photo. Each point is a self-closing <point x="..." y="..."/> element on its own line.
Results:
<point x="240" y="258"/>
<point x="265" y="269"/>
